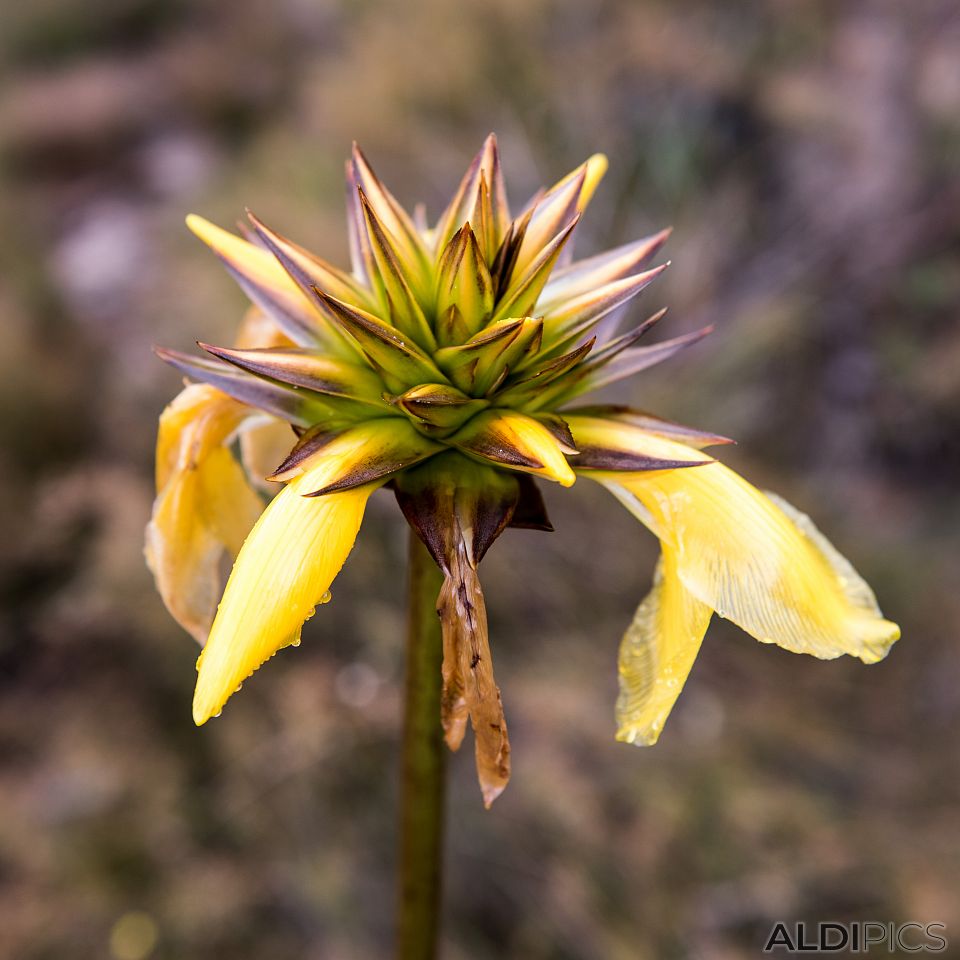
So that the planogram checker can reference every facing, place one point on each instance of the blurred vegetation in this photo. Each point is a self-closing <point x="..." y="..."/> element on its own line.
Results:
<point x="807" y="154"/>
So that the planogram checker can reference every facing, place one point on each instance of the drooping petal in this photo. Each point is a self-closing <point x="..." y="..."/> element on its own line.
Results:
<point x="758" y="562"/>
<point x="204" y="506"/>
<point x="469" y="685"/>
<point x="283" y="571"/>
<point x="657" y="652"/>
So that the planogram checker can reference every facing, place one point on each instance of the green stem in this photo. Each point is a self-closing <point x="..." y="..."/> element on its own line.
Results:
<point x="422" y="775"/>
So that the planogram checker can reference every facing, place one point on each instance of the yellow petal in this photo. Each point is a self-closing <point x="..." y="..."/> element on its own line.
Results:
<point x="283" y="571"/>
<point x="201" y="512"/>
<point x="758" y="562"/>
<point x="656" y="654"/>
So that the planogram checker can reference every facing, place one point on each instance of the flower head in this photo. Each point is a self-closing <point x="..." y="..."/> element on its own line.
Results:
<point x="448" y="365"/>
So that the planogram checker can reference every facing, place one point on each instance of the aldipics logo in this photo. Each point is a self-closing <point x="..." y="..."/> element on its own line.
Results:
<point x="858" y="936"/>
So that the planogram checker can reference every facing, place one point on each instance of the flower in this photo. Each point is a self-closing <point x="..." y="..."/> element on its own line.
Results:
<point x="446" y="365"/>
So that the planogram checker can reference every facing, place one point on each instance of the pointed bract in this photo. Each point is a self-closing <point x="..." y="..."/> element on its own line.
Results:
<point x="265" y="281"/>
<point x="401" y="363"/>
<point x="280" y="400"/>
<point x="301" y="367"/>
<point x="339" y="460"/>
<point x="464" y="282"/>
<point x="516" y="441"/>
<point x="404" y="307"/>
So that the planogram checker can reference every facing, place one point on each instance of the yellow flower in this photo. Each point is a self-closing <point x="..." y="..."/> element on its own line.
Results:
<point x="445" y="364"/>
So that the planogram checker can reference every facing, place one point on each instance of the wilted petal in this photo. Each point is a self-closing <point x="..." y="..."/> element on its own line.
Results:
<point x="283" y="572"/>
<point x="204" y="505"/>
<point x="657" y="652"/>
<point x="758" y="562"/>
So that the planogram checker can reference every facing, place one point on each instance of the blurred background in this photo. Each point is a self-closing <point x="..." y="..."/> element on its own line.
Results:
<point x="807" y="154"/>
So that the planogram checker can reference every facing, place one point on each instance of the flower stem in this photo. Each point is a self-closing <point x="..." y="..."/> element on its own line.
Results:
<point x="423" y="761"/>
